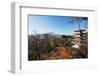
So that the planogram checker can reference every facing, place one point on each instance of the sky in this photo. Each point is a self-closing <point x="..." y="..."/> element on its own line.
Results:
<point x="56" y="24"/>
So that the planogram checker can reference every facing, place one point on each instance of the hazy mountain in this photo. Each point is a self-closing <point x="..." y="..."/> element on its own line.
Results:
<point x="41" y="36"/>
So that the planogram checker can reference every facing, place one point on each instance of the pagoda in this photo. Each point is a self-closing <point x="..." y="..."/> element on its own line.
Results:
<point x="80" y="37"/>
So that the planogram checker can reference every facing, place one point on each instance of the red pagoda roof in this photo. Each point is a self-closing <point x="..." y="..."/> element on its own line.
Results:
<point x="79" y="30"/>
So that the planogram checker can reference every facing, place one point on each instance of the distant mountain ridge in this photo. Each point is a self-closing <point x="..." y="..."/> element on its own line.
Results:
<point x="51" y="34"/>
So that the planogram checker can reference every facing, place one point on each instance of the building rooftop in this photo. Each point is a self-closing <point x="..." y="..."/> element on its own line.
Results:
<point x="79" y="30"/>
